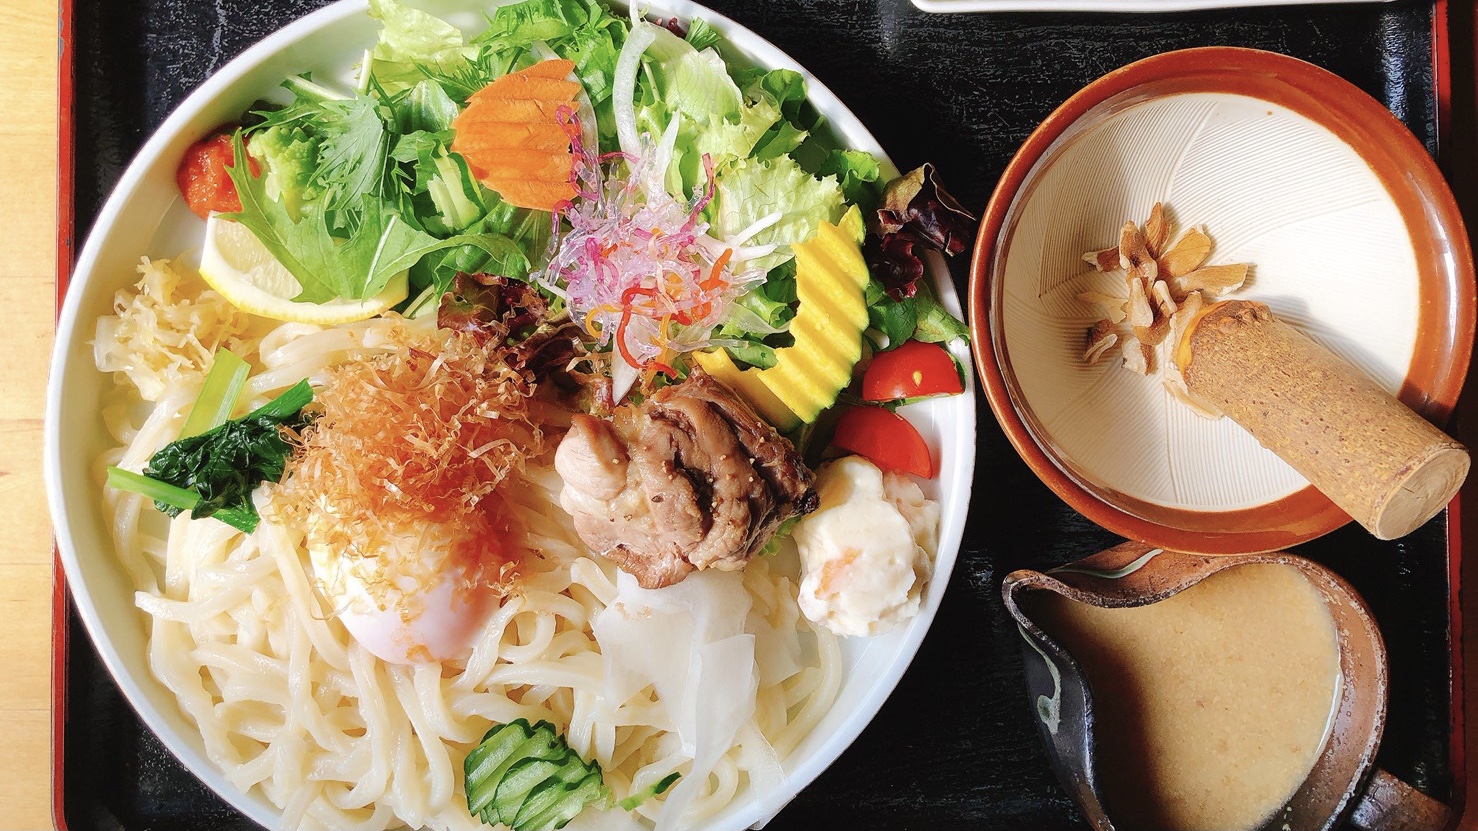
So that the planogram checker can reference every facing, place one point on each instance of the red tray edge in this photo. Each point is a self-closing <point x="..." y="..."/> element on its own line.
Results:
<point x="1457" y="744"/>
<point x="66" y="242"/>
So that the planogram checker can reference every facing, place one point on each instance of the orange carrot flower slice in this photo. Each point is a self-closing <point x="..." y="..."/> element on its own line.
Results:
<point x="511" y="135"/>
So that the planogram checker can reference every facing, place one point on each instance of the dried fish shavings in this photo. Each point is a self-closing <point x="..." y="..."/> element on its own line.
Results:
<point x="420" y="437"/>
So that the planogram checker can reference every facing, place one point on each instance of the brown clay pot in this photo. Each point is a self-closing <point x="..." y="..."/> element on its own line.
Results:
<point x="1343" y="782"/>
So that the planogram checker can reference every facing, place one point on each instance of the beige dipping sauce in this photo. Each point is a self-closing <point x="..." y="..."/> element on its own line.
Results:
<point x="1210" y="707"/>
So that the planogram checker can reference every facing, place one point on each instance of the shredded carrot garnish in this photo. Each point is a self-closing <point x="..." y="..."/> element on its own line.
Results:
<point x="621" y="337"/>
<point x="715" y="277"/>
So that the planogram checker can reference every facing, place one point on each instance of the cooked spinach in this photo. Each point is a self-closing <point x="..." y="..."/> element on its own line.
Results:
<point x="225" y="464"/>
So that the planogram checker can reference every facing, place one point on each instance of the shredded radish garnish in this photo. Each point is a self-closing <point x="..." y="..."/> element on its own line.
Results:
<point x="637" y="266"/>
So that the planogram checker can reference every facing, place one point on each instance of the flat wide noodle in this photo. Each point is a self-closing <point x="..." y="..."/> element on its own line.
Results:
<point x="289" y="707"/>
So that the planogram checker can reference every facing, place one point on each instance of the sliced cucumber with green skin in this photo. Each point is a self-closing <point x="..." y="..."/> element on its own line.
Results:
<point x="524" y="777"/>
<point x="546" y="792"/>
<point x="496" y="748"/>
<point x="503" y="747"/>
<point x="558" y="803"/>
<point x="527" y="778"/>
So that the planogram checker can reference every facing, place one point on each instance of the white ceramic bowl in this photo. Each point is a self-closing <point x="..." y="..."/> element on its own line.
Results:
<point x="1351" y="233"/>
<point x="145" y="216"/>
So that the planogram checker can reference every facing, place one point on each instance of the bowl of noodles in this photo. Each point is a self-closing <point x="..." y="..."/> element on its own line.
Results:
<point x="238" y="656"/>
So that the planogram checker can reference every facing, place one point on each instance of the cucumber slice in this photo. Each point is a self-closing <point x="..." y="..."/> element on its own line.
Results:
<point x="657" y="789"/>
<point x="519" y="782"/>
<point x="550" y="793"/>
<point x="497" y="747"/>
<point x="501" y="748"/>
<point x="527" y="778"/>
<point x="590" y="790"/>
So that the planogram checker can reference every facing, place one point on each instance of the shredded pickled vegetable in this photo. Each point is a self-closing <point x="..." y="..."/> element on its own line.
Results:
<point x="637" y="266"/>
<point x="165" y="329"/>
<point x="418" y="438"/>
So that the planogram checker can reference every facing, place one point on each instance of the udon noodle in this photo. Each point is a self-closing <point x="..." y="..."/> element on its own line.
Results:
<point x="287" y="703"/>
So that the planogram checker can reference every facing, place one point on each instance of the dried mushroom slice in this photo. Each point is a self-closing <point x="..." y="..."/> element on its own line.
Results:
<point x="1186" y="255"/>
<point x="1166" y="286"/>
<point x="1156" y="230"/>
<point x="1153" y="334"/>
<point x="1214" y="279"/>
<point x="1162" y="307"/>
<point x="1101" y="338"/>
<point x="1189" y="306"/>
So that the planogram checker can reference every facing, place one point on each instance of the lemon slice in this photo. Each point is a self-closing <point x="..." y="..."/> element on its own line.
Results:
<point x="236" y="264"/>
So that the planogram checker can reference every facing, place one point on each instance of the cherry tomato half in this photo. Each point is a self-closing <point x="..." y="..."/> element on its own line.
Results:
<point x="913" y="369"/>
<point x="886" y="438"/>
<point x="202" y="176"/>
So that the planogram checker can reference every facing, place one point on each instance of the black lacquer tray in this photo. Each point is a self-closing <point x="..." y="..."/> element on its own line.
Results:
<point x="955" y="746"/>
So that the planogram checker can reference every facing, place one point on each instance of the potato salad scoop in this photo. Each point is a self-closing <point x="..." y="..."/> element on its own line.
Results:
<point x="1374" y="457"/>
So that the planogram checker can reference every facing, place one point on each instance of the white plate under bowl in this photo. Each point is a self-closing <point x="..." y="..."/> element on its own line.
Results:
<point x="1351" y="234"/>
<point x="145" y="216"/>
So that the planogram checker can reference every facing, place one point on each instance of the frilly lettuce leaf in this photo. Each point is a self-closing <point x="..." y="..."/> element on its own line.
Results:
<point x="785" y="90"/>
<point x="736" y="139"/>
<point x="859" y="174"/>
<point x="917" y="204"/>
<point x="762" y="114"/>
<point x="411" y="40"/>
<point x="751" y="189"/>
<point x="580" y="30"/>
<point x="692" y="82"/>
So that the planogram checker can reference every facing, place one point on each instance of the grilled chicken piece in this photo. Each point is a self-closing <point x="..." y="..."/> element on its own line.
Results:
<point x="692" y="478"/>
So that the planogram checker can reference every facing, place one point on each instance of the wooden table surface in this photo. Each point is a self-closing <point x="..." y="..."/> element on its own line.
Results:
<point x="28" y="128"/>
<point x="28" y="60"/>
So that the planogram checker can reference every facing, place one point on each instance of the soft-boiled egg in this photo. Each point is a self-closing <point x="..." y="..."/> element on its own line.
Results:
<point x="406" y="597"/>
